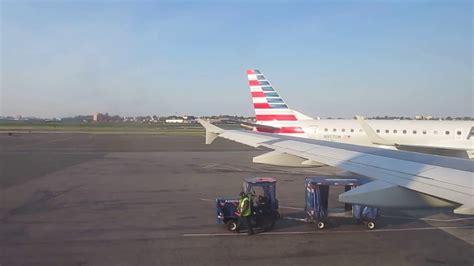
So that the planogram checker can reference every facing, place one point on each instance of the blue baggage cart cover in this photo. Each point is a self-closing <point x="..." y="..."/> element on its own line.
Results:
<point x="316" y="206"/>
<point x="255" y="180"/>
<point x="314" y="201"/>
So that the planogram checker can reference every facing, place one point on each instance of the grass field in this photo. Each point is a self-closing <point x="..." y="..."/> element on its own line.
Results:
<point x="131" y="128"/>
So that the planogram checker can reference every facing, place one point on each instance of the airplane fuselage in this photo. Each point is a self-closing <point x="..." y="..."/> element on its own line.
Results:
<point x="455" y="137"/>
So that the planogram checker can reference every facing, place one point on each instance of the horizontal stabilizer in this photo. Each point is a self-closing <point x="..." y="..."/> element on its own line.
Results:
<point x="382" y="194"/>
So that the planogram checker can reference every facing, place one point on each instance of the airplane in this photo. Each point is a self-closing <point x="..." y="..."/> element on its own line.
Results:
<point x="400" y="179"/>
<point x="448" y="138"/>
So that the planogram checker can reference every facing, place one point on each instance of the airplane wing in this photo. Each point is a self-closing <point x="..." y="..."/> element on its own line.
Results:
<point x="401" y="179"/>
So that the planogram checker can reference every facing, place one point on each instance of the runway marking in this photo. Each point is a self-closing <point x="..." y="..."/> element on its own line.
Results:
<point x="334" y="232"/>
<point x="218" y="166"/>
<point x="207" y="200"/>
<point x="295" y="219"/>
<point x="291" y="208"/>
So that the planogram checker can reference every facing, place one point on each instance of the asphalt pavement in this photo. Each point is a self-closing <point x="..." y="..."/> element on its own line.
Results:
<point x="118" y="199"/>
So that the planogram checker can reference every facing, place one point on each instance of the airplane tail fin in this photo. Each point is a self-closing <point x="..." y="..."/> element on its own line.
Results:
<point x="267" y="103"/>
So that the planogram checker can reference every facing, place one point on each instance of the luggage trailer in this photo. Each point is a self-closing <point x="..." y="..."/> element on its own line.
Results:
<point x="317" y="191"/>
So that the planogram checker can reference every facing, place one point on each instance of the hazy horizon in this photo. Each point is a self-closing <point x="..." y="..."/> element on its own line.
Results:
<point x="327" y="59"/>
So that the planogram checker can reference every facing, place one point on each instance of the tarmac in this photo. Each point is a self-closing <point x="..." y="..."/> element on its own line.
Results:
<point x="119" y="199"/>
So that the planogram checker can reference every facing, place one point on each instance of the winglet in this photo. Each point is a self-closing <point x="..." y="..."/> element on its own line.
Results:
<point x="371" y="134"/>
<point x="212" y="132"/>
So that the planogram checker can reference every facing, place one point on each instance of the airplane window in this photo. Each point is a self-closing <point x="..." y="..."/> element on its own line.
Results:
<point x="459" y="133"/>
<point x="435" y="132"/>
<point x="404" y="131"/>
<point x="387" y="131"/>
<point x="326" y="129"/>
<point x="395" y="131"/>
<point x="446" y="132"/>
<point x="343" y="130"/>
<point x="334" y="129"/>
<point x="361" y="130"/>
<point x="414" y="131"/>
<point x="424" y="132"/>
<point x="352" y="130"/>
<point x="378" y="130"/>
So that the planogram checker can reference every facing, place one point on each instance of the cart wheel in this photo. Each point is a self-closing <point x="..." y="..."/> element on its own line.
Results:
<point x="321" y="225"/>
<point x="232" y="225"/>
<point x="370" y="225"/>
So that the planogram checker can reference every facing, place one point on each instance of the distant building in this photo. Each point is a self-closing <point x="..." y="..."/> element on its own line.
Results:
<point x="174" y="120"/>
<point x="98" y="117"/>
<point x="188" y="119"/>
<point x="423" y="117"/>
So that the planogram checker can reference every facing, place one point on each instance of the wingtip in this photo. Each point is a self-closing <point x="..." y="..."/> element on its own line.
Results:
<point x="212" y="131"/>
<point x="210" y="127"/>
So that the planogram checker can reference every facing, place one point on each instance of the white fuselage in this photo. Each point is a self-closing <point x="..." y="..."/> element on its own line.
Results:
<point x="446" y="135"/>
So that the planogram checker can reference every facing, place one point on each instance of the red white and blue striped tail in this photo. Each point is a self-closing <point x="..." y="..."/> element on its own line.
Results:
<point x="267" y="103"/>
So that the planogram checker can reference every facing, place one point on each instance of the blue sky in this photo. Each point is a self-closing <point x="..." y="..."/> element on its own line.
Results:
<point x="328" y="59"/>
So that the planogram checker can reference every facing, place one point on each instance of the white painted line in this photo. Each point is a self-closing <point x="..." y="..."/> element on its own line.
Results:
<point x="207" y="200"/>
<point x="336" y="232"/>
<point x="227" y="167"/>
<point x="295" y="219"/>
<point x="224" y="234"/>
<point x="291" y="208"/>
